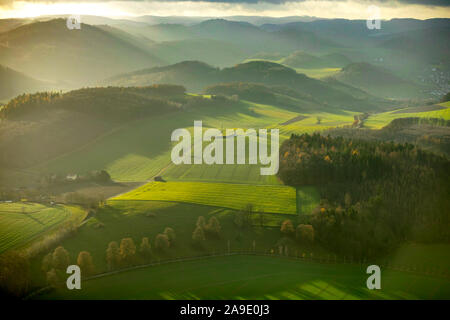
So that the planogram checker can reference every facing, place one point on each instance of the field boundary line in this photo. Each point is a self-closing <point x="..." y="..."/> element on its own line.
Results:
<point x="206" y="205"/>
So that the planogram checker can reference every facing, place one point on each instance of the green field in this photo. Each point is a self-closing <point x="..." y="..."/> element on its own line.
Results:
<point x="266" y="198"/>
<point x="137" y="219"/>
<point x="244" y="173"/>
<point x="422" y="256"/>
<point x="255" y="277"/>
<point x="140" y="150"/>
<point x="22" y="222"/>
<point x="311" y="123"/>
<point x="379" y="120"/>
<point x="318" y="72"/>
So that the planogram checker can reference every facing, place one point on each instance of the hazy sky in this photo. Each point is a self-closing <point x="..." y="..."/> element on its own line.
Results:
<point x="350" y="9"/>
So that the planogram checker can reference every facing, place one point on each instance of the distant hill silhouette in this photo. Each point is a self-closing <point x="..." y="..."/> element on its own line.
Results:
<point x="377" y="81"/>
<point x="14" y="83"/>
<point x="196" y="76"/>
<point x="48" y="50"/>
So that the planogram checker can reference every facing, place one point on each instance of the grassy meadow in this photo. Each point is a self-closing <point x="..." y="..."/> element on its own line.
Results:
<point x="255" y="277"/>
<point x="266" y="198"/>
<point x="318" y="73"/>
<point x="379" y="120"/>
<point x="23" y="222"/>
<point x="136" y="152"/>
<point x="137" y="219"/>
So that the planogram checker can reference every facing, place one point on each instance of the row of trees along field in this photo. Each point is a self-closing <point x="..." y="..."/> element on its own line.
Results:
<point x="128" y="254"/>
<point x="374" y="194"/>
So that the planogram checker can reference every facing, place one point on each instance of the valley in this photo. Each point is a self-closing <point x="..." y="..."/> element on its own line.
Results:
<point x="86" y="168"/>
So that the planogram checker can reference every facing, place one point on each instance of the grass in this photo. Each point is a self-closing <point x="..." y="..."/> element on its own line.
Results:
<point x="308" y="198"/>
<point x="267" y="198"/>
<point x="20" y="223"/>
<point x="139" y="150"/>
<point x="379" y="120"/>
<point x="137" y="219"/>
<point x="319" y="72"/>
<point x="316" y="73"/>
<point x="244" y="173"/>
<point x="255" y="277"/>
<point x="311" y="123"/>
<point x="422" y="256"/>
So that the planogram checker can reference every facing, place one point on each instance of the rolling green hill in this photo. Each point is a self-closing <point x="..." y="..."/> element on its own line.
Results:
<point x="71" y="56"/>
<point x="255" y="277"/>
<point x="379" y="120"/>
<point x="378" y="81"/>
<point x="14" y="83"/>
<point x="20" y="223"/>
<point x="41" y="126"/>
<point x="196" y="76"/>
<point x="303" y="60"/>
<point x="140" y="149"/>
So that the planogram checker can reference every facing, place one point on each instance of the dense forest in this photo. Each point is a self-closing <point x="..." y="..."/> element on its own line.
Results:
<point x="374" y="194"/>
<point x="111" y="102"/>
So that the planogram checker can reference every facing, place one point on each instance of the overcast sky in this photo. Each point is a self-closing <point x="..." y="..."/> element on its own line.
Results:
<point x="349" y="9"/>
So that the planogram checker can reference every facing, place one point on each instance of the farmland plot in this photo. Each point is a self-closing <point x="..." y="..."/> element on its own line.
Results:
<point x="267" y="198"/>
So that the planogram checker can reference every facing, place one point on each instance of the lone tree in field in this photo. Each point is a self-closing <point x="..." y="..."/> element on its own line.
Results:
<point x="47" y="262"/>
<point x="112" y="255"/>
<point x="287" y="227"/>
<point x="162" y="242"/>
<point x="348" y="200"/>
<point x="127" y="251"/>
<point x="52" y="278"/>
<point x="85" y="263"/>
<point x="213" y="226"/>
<point x="145" y="249"/>
<point x="199" y="235"/>
<point x="305" y="233"/>
<point x="60" y="259"/>
<point x="170" y="233"/>
<point x="201" y="222"/>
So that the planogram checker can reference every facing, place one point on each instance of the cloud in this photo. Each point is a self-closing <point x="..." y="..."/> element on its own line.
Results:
<point x="348" y="9"/>
<point x="440" y="3"/>
<point x="6" y="3"/>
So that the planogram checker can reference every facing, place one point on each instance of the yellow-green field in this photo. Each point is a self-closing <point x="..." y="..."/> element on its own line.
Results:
<point x="319" y="72"/>
<point x="316" y="73"/>
<point x="22" y="222"/>
<point x="317" y="122"/>
<point x="379" y="120"/>
<point x="267" y="198"/>
<point x="139" y="150"/>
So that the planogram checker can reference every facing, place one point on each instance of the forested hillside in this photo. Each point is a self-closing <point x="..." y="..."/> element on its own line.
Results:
<point x="39" y="126"/>
<point x="14" y="83"/>
<point x="375" y="195"/>
<point x="196" y="76"/>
